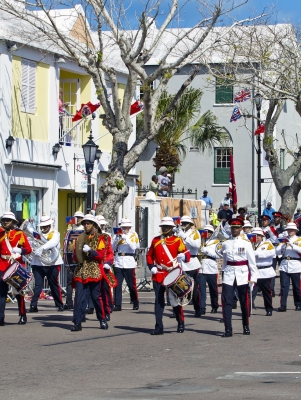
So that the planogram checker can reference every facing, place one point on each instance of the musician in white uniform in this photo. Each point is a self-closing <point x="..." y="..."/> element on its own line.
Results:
<point x="264" y="252"/>
<point x="290" y="267"/>
<point x="238" y="262"/>
<point x="192" y="239"/>
<point x="125" y="246"/>
<point x="79" y="217"/>
<point x="209" y="271"/>
<point x="41" y="270"/>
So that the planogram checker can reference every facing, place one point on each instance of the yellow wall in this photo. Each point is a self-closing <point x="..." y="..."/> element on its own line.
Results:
<point x="25" y="125"/>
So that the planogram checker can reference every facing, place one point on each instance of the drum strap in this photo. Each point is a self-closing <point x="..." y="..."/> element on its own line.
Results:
<point x="13" y="256"/>
<point x="173" y="261"/>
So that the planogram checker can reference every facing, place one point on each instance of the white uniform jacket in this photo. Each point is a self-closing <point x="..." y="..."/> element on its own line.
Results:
<point x="125" y="244"/>
<point x="192" y="240"/>
<point x="238" y="262"/>
<point x="290" y="254"/>
<point x="264" y="253"/>
<point x="53" y="240"/>
<point x="209" y="265"/>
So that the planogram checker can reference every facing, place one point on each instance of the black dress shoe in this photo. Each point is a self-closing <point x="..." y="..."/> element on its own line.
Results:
<point x="66" y="307"/>
<point x="197" y="314"/>
<point x="76" y="328"/>
<point x="298" y="308"/>
<point x="103" y="324"/>
<point x="22" y="320"/>
<point x="60" y="308"/>
<point x="181" y="328"/>
<point x="173" y="315"/>
<point x="282" y="309"/>
<point x="228" y="333"/>
<point x="234" y="306"/>
<point x="108" y="317"/>
<point x="213" y="310"/>
<point x="90" y="311"/>
<point x="136" y="305"/>
<point x="2" y="323"/>
<point x="203" y="312"/>
<point x="269" y="313"/>
<point x="246" y="330"/>
<point x="117" y="308"/>
<point x="33" y="309"/>
<point x="157" y="332"/>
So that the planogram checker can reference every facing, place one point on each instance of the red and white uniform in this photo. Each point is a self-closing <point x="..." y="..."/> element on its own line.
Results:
<point x="15" y="238"/>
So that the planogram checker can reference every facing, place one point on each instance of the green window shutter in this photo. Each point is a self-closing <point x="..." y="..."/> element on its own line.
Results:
<point x="223" y="92"/>
<point x="221" y="175"/>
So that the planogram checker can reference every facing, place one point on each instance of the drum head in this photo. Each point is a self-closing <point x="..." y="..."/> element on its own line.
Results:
<point x="11" y="269"/>
<point x="69" y="246"/>
<point x="172" y="277"/>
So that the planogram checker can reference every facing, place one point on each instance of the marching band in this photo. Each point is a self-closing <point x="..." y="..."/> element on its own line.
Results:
<point x="182" y="261"/>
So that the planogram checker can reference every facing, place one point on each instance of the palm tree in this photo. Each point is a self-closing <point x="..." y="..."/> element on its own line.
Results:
<point x="205" y="133"/>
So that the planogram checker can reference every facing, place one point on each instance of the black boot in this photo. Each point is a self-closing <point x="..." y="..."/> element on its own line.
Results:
<point x="117" y="308"/>
<point x="33" y="309"/>
<point x="136" y="305"/>
<point x="103" y="324"/>
<point x="282" y="309"/>
<point x="157" y="332"/>
<point x="181" y="328"/>
<point x="228" y="333"/>
<point x="246" y="330"/>
<point x="76" y="328"/>
<point x="2" y="323"/>
<point x="90" y="311"/>
<point x="22" y="320"/>
<point x="108" y="317"/>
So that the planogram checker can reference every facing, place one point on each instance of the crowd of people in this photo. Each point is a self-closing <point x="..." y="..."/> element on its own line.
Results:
<point x="182" y="261"/>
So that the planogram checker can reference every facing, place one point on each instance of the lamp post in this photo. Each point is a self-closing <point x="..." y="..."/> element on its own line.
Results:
<point x="258" y="103"/>
<point x="90" y="149"/>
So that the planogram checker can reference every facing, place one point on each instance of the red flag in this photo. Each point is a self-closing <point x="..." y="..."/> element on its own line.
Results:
<point x="136" y="107"/>
<point x="85" y="111"/>
<point x="259" y="130"/>
<point x="232" y="183"/>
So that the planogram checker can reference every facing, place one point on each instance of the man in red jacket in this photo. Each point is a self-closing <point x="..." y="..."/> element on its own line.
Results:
<point x="13" y="245"/>
<point x="164" y="254"/>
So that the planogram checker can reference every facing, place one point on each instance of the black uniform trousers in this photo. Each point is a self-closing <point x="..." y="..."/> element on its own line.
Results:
<point x="265" y="285"/>
<point x="213" y="290"/>
<point x="227" y="301"/>
<point x="196" y="294"/>
<point x="285" y="285"/>
<point x="129" y="275"/>
<point x="3" y="295"/>
<point x="160" y="304"/>
<point x="80" y="301"/>
<point x="69" y="288"/>
<point x="276" y="260"/>
<point x="52" y="274"/>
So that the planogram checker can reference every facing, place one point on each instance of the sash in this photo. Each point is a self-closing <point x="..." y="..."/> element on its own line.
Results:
<point x="274" y="231"/>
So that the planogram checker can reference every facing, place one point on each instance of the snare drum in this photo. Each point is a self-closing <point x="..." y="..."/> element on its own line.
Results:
<point x="17" y="276"/>
<point x="178" y="282"/>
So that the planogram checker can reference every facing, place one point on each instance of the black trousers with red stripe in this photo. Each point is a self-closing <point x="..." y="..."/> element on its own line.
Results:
<point x="227" y="301"/>
<point x="130" y="276"/>
<point x="80" y="301"/>
<point x="52" y="275"/>
<point x="160" y="304"/>
<point x="3" y="294"/>
<point x="285" y="285"/>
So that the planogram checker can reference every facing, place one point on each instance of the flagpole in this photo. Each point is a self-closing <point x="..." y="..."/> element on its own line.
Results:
<point x="258" y="102"/>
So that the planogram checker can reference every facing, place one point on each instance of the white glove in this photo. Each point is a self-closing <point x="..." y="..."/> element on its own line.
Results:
<point x="124" y="236"/>
<point x="181" y="257"/>
<point x="86" y="248"/>
<point x="154" y="270"/>
<point x="182" y="234"/>
<point x="16" y="250"/>
<point x="107" y="266"/>
<point x="39" y="251"/>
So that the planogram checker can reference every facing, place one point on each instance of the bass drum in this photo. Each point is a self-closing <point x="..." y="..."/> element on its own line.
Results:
<point x="69" y="246"/>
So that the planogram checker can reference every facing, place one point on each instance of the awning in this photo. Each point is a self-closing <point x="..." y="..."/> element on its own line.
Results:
<point x="31" y="164"/>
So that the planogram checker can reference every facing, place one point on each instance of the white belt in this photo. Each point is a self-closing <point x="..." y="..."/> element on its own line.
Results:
<point x="5" y="257"/>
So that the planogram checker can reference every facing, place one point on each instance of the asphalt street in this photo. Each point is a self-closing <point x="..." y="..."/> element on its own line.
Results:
<point x="44" y="360"/>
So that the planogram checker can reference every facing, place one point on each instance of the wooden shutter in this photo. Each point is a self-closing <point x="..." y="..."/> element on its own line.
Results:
<point x="28" y="92"/>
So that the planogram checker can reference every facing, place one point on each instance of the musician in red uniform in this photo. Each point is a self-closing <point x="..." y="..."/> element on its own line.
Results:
<point x="13" y="245"/>
<point x="93" y="253"/>
<point x="164" y="254"/>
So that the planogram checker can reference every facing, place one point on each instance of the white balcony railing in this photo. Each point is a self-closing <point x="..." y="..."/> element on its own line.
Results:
<point x="70" y="132"/>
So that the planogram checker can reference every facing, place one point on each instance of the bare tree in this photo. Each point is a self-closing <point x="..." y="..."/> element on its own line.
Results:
<point x="155" y="34"/>
<point x="267" y="58"/>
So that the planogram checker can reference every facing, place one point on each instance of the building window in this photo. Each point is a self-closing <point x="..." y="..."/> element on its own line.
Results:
<point x="24" y="204"/>
<point x="28" y="91"/>
<point x="222" y="165"/>
<point x="282" y="159"/>
<point x="223" y="91"/>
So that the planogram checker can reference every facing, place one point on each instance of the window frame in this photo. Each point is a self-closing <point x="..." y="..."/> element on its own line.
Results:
<point x="28" y="86"/>
<point x="224" y="91"/>
<point x="221" y="174"/>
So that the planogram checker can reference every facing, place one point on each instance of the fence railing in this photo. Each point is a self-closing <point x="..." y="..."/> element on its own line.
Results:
<point x="141" y="190"/>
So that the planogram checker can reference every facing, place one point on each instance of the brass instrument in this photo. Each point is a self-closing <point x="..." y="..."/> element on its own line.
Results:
<point x="48" y="257"/>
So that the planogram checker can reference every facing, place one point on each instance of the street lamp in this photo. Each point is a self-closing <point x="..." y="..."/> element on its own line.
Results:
<point x="258" y="103"/>
<point x="89" y="150"/>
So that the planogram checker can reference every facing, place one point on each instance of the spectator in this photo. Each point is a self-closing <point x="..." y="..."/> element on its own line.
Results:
<point x="163" y="182"/>
<point x="242" y="212"/>
<point x="207" y="199"/>
<point x="268" y="210"/>
<point x="228" y="200"/>
<point x="213" y="218"/>
<point x="297" y="214"/>
<point x="225" y="214"/>
<point x="154" y="185"/>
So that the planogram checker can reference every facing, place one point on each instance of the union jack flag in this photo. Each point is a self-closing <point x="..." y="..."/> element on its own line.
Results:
<point x="243" y="95"/>
<point x="236" y="114"/>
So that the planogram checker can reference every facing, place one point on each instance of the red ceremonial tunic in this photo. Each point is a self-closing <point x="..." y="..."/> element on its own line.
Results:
<point x="156" y="254"/>
<point x="16" y="238"/>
